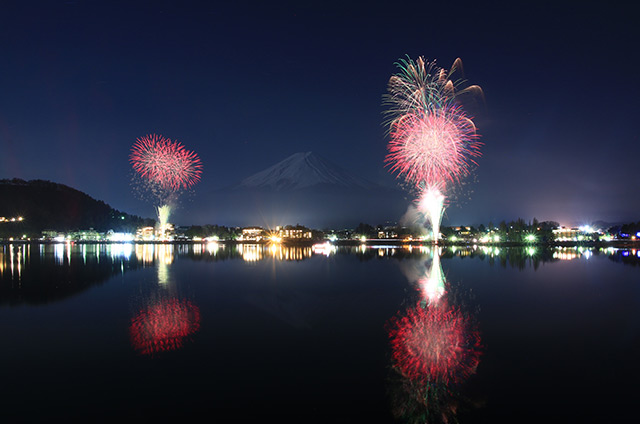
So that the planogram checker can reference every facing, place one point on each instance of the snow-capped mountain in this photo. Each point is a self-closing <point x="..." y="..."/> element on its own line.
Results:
<point x="307" y="189"/>
<point x="303" y="170"/>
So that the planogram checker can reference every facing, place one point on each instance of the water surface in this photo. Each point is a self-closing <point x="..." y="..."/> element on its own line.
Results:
<point x="302" y="334"/>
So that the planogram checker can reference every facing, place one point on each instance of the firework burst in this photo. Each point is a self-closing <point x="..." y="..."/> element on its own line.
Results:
<point x="433" y="142"/>
<point x="165" y="163"/>
<point x="433" y="148"/>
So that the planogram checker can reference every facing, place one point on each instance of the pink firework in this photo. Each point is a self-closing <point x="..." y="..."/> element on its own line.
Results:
<point x="435" y="344"/>
<point x="165" y="162"/>
<point x="164" y="325"/>
<point x="433" y="147"/>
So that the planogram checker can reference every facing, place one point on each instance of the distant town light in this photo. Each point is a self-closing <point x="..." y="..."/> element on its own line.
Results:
<point x="120" y="237"/>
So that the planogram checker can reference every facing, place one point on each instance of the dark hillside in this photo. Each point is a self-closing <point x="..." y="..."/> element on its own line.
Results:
<point x="48" y="205"/>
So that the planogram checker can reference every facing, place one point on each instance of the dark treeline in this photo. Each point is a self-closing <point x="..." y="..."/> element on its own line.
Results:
<point x="514" y="231"/>
<point x="220" y="231"/>
<point x="626" y="230"/>
<point x="45" y="205"/>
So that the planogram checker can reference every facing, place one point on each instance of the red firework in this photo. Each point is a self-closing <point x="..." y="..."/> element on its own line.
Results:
<point x="165" y="162"/>
<point x="433" y="148"/>
<point x="434" y="344"/>
<point x="164" y="325"/>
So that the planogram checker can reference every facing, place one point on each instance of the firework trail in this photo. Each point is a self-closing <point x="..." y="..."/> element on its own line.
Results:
<point x="163" y="168"/>
<point x="433" y="142"/>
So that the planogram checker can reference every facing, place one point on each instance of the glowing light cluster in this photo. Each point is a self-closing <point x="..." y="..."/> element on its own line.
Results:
<point x="165" y="162"/>
<point x="164" y="325"/>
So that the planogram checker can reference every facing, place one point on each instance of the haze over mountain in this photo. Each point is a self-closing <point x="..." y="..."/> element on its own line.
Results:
<point x="305" y="189"/>
<point x="304" y="170"/>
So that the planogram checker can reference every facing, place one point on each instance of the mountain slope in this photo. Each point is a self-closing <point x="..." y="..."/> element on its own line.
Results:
<point x="301" y="171"/>
<point x="48" y="205"/>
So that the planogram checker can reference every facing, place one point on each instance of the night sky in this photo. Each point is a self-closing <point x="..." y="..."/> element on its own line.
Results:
<point x="246" y="84"/>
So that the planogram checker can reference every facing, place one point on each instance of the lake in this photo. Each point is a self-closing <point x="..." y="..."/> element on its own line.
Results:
<point x="241" y="332"/>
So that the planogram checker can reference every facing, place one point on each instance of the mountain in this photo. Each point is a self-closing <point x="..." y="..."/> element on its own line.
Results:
<point x="48" y="205"/>
<point x="305" y="189"/>
<point x="304" y="170"/>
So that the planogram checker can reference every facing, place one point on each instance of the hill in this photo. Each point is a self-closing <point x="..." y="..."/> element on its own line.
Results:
<point x="47" y="205"/>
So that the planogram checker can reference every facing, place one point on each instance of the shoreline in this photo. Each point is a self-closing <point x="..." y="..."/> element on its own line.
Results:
<point x="368" y="242"/>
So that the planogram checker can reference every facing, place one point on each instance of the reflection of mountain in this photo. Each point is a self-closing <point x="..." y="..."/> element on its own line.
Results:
<point x="308" y="189"/>
<point x="293" y="308"/>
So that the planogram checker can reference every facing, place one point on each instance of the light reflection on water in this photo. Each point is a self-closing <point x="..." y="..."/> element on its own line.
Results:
<point x="436" y="346"/>
<point x="14" y="257"/>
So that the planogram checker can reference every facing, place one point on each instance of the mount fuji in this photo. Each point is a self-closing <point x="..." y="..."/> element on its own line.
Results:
<point x="305" y="189"/>
<point x="304" y="170"/>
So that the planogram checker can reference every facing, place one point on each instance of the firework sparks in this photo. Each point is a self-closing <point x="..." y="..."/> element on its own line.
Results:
<point x="163" y="212"/>
<point x="164" y="325"/>
<point x="165" y="163"/>
<point x="433" y="148"/>
<point x="435" y="344"/>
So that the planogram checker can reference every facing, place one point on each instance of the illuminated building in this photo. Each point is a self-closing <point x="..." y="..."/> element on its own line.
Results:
<point x="85" y="235"/>
<point x="252" y="234"/>
<point x="584" y="233"/>
<point x="294" y="233"/>
<point x="565" y="234"/>
<point x="387" y="233"/>
<point x="51" y="234"/>
<point x="145" y="233"/>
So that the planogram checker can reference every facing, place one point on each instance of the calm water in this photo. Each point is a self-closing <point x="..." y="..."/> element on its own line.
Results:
<point x="375" y="334"/>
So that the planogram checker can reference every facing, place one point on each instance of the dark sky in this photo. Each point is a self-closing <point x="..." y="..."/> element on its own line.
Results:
<point x="246" y="84"/>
